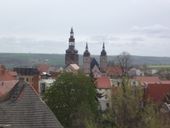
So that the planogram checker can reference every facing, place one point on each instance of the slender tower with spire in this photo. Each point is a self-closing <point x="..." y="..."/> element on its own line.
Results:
<point x="103" y="59"/>
<point x="86" y="60"/>
<point x="71" y="56"/>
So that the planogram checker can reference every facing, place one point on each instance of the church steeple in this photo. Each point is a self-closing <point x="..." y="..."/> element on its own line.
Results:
<point x="86" y="60"/>
<point x="86" y="46"/>
<point x="72" y="39"/>
<point x="103" y="46"/>
<point x="103" y="52"/>
<point x="71" y="56"/>
<point x="103" y="59"/>
<point x="86" y="52"/>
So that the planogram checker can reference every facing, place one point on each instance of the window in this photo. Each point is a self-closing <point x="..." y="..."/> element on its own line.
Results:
<point x="107" y="104"/>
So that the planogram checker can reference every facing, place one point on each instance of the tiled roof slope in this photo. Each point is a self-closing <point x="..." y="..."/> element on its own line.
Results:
<point x="6" y="86"/>
<point x="103" y="83"/>
<point x="24" y="109"/>
<point x="114" y="71"/>
<point x="157" y="91"/>
<point x="43" y="68"/>
<point x="26" y="71"/>
<point x="6" y="75"/>
<point x="93" y="63"/>
<point x="148" y="79"/>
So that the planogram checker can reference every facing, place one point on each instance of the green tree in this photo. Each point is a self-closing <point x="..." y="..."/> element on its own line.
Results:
<point x="128" y="110"/>
<point x="72" y="99"/>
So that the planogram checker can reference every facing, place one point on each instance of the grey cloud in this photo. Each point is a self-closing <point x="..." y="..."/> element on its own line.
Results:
<point x="27" y="45"/>
<point x="159" y="31"/>
<point x="105" y="38"/>
<point x="136" y="39"/>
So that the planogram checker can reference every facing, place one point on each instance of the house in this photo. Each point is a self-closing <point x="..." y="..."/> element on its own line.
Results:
<point x="22" y="108"/>
<point x="45" y="82"/>
<point x="74" y="68"/>
<point x="30" y="75"/>
<point x="104" y="89"/>
<point x="114" y="71"/>
<point x="5" y="87"/>
<point x="135" y="72"/>
<point x="95" y="69"/>
<point x="6" y="75"/>
<point x="156" y="91"/>
<point x="43" y="68"/>
<point x="141" y="80"/>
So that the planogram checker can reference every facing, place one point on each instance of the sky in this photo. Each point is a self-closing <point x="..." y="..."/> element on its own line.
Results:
<point x="140" y="27"/>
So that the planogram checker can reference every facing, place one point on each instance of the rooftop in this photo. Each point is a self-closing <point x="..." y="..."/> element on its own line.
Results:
<point x="103" y="82"/>
<point x="157" y="91"/>
<point x="6" y="86"/>
<point x="25" y="109"/>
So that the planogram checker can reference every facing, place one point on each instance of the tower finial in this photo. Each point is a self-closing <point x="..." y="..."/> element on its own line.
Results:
<point x="71" y="30"/>
<point x="103" y="46"/>
<point x="86" y="46"/>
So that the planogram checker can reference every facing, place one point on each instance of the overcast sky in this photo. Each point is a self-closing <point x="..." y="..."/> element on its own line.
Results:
<point x="140" y="27"/>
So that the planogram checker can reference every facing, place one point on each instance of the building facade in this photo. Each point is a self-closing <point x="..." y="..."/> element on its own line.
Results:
<point x="86" y="60"/>
<point x="30" y="75"/>
<point x="103" y="59"/>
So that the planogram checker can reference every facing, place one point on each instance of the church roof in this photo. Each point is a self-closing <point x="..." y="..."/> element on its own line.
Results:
<point x="93" y="63"/>
<point x="25" y="109"/>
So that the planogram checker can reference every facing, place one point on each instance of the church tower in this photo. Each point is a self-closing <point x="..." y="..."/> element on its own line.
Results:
<point x="103" y="59"/>
<point x="71" y="56"/>
<point x="86" y="60"/>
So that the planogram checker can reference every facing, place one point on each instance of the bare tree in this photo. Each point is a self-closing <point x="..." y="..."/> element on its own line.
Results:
<point x="124" y="61"/>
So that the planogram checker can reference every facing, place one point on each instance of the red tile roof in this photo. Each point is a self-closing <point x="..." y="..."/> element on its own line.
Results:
<point x="157" y="91"/>
<point x="43" y="68"/>
<point x="6" y="75"/>
<point x="114" y="71"/>
<point x="103" y="83"/>
<point x="165" y="81"/>
<point x="6" y="86"/>
<point x="147" y="79"/>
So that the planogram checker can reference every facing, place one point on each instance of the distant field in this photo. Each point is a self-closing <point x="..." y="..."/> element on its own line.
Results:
<point x="26" y="59"/>
<point x="159" y="66"/>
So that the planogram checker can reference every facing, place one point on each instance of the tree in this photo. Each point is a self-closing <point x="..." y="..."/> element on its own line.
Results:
<point x="128" y="110"/>
<point x="72" y="99"/>
<point x="124" y="61"/>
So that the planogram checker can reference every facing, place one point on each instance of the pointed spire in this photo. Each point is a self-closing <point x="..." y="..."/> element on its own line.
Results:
<point x="71" y="39"/>
<point x="103" y="46"/>
<point x="86" y="52"/>
<point x="86" y="46"/>
<point x="103" y="52"/>
<point x="71" y="30"/>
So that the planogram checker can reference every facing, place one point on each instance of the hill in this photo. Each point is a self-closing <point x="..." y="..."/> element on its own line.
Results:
<point x="27" y="59"/>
